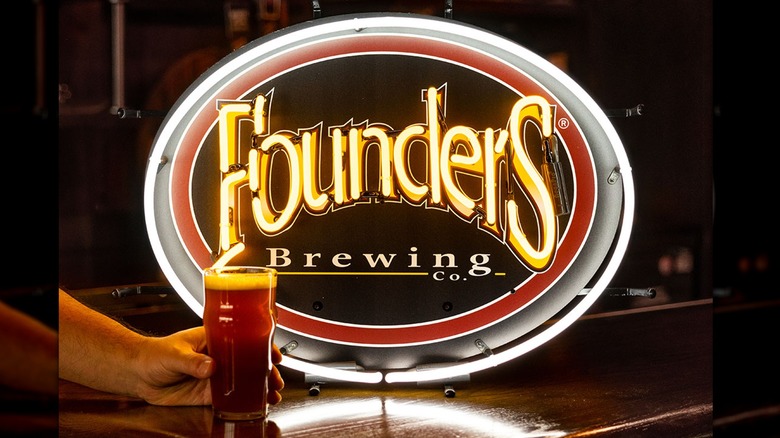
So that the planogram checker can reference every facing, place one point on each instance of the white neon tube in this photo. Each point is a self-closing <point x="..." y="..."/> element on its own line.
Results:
<point x="332" y="373"/>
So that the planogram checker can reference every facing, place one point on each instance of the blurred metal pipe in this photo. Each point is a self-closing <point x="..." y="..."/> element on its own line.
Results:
<point x="118" y="52"/>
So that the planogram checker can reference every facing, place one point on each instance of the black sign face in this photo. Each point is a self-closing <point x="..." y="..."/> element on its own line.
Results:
<point x="428" y="191"/>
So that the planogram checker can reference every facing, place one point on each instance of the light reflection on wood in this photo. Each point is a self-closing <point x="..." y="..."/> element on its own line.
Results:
<point x="645" y="373"/>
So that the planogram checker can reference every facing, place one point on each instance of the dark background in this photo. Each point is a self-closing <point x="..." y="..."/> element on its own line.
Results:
<point x="701" y="154"/>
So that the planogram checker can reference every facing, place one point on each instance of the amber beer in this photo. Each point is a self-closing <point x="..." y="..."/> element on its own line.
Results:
<point x="240" y="319"/>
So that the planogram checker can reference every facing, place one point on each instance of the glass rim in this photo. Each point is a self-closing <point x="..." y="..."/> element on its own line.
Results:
<point x="240" y="269"/>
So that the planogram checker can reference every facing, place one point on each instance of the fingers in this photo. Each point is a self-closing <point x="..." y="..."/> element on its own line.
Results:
<point x="275" y="386"/>
<point x="276" y="355"/>
<point x="181" y="354"/>
<point x="275" y="381"/>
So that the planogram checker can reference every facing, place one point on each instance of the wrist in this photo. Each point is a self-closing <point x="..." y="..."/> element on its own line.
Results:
<point x="139" y="362"/>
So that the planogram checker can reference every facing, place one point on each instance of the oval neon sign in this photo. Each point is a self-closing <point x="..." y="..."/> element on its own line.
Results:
<point x="429" y="192"/>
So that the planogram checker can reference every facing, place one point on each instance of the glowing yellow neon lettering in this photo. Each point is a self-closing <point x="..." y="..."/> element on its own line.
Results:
<point x="451" y="154"/>
<point x="452" y="163"/>
<point x="531" y="109"/>
<point x="313" y="197"/>
<point x="386" y="185"/>
<point x="340" y="195"/>
<point x="413" y="191"/>
<point x="268" y="218"/>
<point x="233" y="176"/>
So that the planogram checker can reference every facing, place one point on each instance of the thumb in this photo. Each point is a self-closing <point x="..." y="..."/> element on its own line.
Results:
<point x="197" y="365"/>
<point x="202" y="366"/>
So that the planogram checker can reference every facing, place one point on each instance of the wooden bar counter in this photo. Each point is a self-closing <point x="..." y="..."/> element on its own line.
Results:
<point x="637" y="372"/>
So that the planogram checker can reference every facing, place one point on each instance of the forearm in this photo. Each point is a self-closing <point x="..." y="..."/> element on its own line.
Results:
<point x="29" y="352"/>
<point x="96" y="350"/>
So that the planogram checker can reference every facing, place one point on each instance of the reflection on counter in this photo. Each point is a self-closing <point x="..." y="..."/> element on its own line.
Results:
<point x="612" y="374"/>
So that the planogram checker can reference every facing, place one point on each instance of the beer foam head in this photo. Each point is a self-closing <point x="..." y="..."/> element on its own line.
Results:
<point x="239" y="279"/>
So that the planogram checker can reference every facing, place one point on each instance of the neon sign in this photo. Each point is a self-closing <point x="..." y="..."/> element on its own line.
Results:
<point x="431" y="194"/>
<point x="485" y="152"/>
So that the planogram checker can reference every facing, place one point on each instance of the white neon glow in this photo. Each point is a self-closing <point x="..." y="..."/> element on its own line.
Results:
<point x="332" y="373"/>
<point x="463" y="419"/>
<point x="446" y="417"/>
<point x="353" y="409"/>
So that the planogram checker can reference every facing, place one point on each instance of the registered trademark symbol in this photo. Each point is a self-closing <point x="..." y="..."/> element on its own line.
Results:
<point x="563" y="123"/>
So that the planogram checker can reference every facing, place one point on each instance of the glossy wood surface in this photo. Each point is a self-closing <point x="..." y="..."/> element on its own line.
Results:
<point x="639" y="372"/>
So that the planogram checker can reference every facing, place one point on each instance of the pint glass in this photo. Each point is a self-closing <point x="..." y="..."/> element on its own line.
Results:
<point x="240" y="319"/>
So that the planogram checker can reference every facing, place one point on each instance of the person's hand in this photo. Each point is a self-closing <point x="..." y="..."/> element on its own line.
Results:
<point x="174" y="370"/>
<point x="99" y="352"/>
